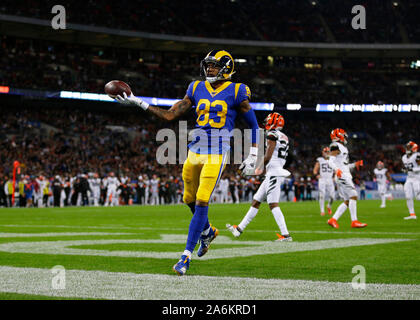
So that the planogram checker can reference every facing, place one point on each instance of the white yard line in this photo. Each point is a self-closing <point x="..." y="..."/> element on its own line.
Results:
<point x="186" y="229"/>
<point x="243" y="249"/>
<point x="115" y="285"/>
<point x="61" y="234"/>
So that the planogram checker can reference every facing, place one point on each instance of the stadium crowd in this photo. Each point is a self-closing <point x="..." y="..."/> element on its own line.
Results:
<point x="300" y="20"/>
<point x="281" y="80"/>
<point x="66" y="144"/>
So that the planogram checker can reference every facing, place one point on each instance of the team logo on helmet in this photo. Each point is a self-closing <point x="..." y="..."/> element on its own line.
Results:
<point x="221" y="59"/>
<point x="339" y="135"/>
<point x="411" y="147"/>
<point x="273" y="121"/>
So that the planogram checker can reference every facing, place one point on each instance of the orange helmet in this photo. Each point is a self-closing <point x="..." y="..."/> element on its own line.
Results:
<point x="380" y="165"/>
<point x="339" y="135"/>
<point x="411" y="147"/>
<point x="273" y="121"/>
<point x="325" y="151"/>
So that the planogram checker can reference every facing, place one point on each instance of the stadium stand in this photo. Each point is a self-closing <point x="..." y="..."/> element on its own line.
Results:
<point x="300" y="20"/>
<point x="67" y="138"/>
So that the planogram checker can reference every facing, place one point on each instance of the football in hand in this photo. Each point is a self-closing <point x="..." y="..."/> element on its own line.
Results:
<point x="117" y="87"/>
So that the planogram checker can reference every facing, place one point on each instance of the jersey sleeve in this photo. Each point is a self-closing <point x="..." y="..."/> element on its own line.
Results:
<point x="272" y="135"/>
<point x="243" y="93"/>
<point x="334" y="146"/>
<point x="191" y="90"/>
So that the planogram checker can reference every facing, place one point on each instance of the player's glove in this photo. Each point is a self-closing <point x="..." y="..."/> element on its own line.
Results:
<point x="133" y="101"/>
<point x="248" y="167"/>
<point x="339" y="173"/>
<point x="359" y="164"/>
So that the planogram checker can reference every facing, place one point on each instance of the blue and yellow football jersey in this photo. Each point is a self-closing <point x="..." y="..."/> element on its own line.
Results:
<point x="216" y="113"/>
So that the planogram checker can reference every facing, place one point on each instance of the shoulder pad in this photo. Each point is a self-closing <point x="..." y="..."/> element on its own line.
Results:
<point x="272" y="135"/>
<point x="334" y="146"/>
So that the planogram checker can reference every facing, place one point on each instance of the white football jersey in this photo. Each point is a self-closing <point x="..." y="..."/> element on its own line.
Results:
<point x="410" y="162"/>
<point x="281" y="151"/>
<point x="224" y="184"/>
<point x="95" y="183"/>
<point x="340" y="161"/>
<point x="380" y="175"/>
<point x="154" y="185"/>
<point x="325" y="170"/>
<point x="112" y="182"/>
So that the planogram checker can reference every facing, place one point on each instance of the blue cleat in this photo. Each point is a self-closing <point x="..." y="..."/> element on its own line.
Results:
<point x="182" y="265"/>
<point x="206" y="240"/>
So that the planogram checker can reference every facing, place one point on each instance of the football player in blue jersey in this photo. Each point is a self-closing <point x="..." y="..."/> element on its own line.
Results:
<point x="217" y="102"/>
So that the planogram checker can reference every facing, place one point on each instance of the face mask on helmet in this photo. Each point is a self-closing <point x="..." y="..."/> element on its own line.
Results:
<point x="380" y="165"/>
<point x="220" y="59"/>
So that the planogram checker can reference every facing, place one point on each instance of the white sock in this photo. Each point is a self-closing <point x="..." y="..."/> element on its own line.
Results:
<point x="383" y="199"/>
<point x="322" y="203"/>
<point x="340" y="210"/>
<point x="187" y="253"/>
<point x="279" y="217"/>
<point x="353" y="209"/>
<point x="252" y="212"/>
<point x="330" y="202"/>
<point x="410" y="205"/>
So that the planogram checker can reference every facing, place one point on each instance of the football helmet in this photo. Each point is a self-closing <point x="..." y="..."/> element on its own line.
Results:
<point x="411" y="147"/>
<point x="339" y="135"/>
<point x="380" y="165"/>
<point x="273" y="121"/>
<point x="221" y="59"/>
<point x="326" y="152"/>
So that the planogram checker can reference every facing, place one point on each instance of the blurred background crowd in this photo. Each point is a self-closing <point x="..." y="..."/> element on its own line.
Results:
<point x="66" y="142"/>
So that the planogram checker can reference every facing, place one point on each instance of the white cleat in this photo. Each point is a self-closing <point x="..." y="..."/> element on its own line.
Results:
<point x="410" y="217"/>
<point x="236" y="233"/>
<point x="382" y="206"/>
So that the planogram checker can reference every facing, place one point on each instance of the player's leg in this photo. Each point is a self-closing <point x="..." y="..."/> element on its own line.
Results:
<point x="273" y="196"/>
<point x="342" y="207"/>
<point x="409" y="190"/>
<point x="350" y="192"/>
<point x="382" y="192"/>
<point x="191" y="176"/>
<point x="331" y="192"/>
<point x="259" y="197"/>
<point x="210" y="174"/>
<point x="321" y="190"/>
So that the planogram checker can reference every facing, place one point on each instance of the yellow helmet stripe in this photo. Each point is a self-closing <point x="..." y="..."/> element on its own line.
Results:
<point x="222" y="53"/>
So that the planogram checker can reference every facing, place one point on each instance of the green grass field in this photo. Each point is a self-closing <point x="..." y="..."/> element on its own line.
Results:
<point x="128" y="253"/>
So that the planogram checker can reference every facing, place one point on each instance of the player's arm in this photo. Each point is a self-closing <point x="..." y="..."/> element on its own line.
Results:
<point x="249" y="115"/>
<point x="249" y="165"/>
<point x="175" y="112"/>
<point x="417" y="169"/>
<point x="334" y="152"/>
<point x="316" y="169"/>
<point x="356" y="165"/>
<point x="271" y="145"/>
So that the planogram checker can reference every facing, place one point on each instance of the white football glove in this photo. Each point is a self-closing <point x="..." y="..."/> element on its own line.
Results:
<point x="249" y="165"/>
<point x="133" y="101"/>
